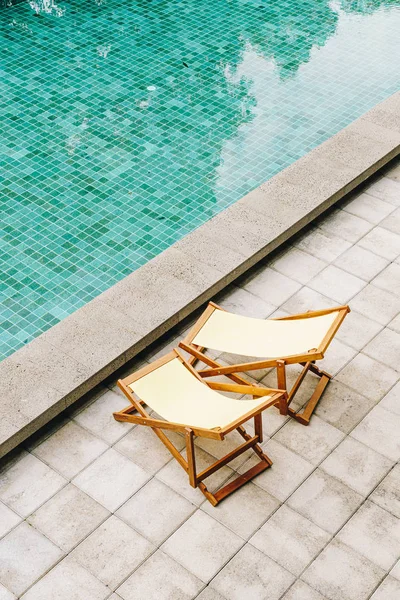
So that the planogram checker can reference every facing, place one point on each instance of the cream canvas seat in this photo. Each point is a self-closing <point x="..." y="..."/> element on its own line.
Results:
<point x="186" y="403"/>
<point x="301" y="339"/>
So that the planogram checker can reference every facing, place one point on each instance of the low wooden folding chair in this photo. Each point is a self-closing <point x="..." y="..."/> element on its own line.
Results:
<point x="276" y="343"/>
<point x="190" y="405"/>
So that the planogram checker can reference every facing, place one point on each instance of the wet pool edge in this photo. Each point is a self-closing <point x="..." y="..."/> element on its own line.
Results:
<point x="54" y="370"/>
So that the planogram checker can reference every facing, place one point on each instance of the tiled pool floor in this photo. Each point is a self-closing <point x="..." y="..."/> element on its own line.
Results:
<point x="124" y="125"/>
<point x="92" y="509"/>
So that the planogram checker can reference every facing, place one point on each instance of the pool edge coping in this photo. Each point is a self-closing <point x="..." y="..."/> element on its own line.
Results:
<point x="77" y="354"/>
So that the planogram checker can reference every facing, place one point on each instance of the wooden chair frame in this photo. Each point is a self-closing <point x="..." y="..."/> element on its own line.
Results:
<point x="307" y="361"/>
<point x="189" y="465"/>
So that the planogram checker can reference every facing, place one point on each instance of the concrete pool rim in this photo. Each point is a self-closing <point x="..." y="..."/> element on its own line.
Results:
<point x="50" y="373"/>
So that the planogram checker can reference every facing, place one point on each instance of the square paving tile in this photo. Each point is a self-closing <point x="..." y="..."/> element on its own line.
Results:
<point x="28" y="483"/>
<point x="325" y="501"/>
<point x="68" y="581"/>
<point x="162" y="578"/>
<point x="392" y="222"/>
<point x="146" y="450"/>
<point x="98" y="417"/>
<point x="376" y="304"/>
<point x="156" y="511"/>
<point x="313" y="442"/>
<point x="382" y="242"/>
<point x="391" y="401"/>
<point x="386" y="189"/>
<point x="202" y="545"/>
<point x="245" y="510"/>
<point x="380" y="431"/>
<point x="369" y="208"/>
<point x="174" y="476"/>
<point x="68" y="517"/>
<point x="111" y="479"/>
<point x="361" y="262"/>
<point x="271" y="286"/>
<point x="336" y="357"/>
<point x="25" y="555"/>
<point x="374" y="533"/>
<point x="389" y="279"/>
<point x="70" y="449"/>
<point x="302" y="591"/>
<point x="252" y="575"/>
<point x="323" y="244"/>
<point x="242" y="302"/>
<point x="370" y="378"/>
<point x="385" y="348"/>
<point x="339" y="572"/>
<point x="337" y="284"/>
<point x="8" y="520"/>
<point x="298" y="265"/>
<point x="388" y="590"/>
<point x="387" y="494"/>
<point x="288" y="470"/>
<point x="290" y="539"/>
<point x="346" y="226"/>
<point x="357" y="330"/>
<point x="307" y="299"/>
<point x="6" y="594"/>
<point x="342" y="407"/>
<point x="112" y="552"/>
<point x="356" y="465"/>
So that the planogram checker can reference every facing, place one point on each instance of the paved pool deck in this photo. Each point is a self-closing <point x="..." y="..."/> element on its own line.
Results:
<point x="92" y="509"/>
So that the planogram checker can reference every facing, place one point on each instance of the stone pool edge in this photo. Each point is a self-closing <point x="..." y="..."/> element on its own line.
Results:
<point x="50" y="373"/>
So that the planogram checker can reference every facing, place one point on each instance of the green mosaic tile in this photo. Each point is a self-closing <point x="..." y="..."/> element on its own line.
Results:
<point x="125" y="125"/>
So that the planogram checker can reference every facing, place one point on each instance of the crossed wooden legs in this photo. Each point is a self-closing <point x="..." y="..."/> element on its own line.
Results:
<point x="304" y="416"/>
<point x="196" y="479"/>
<point x="189" y="465"/>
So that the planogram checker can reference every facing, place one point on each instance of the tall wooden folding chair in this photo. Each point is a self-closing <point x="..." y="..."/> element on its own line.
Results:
<point x="301" y="339"/>
<point x="190" y="405"/>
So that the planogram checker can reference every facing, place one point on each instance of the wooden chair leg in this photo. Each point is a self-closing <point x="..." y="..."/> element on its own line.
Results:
<point x="256" y="448"/>
<point x="191" y="459"/>
<point x="241" y="480"/>
<point x="281" y="375"/>
<point x="196" y="480"/>
<point x="258" y="427"/>
<point x="264" y="463"/>
<point x="305" y="416"/>
<point x="189" y="465"/>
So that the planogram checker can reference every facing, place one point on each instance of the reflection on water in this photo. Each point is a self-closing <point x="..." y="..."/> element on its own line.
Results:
<point x="49" y="7"/>
<point x="127" y="124"/>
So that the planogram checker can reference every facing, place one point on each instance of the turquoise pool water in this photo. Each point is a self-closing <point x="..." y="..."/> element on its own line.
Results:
<point x="126" y="124"/>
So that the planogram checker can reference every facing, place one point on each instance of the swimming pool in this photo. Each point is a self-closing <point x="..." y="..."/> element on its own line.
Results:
<point x="126" y="125"/>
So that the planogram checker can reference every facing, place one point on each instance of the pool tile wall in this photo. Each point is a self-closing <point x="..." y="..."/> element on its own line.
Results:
<point x="125" y="125"/>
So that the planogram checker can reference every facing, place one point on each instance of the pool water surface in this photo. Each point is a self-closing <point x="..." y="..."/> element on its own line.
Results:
<point x="125" y="124"/>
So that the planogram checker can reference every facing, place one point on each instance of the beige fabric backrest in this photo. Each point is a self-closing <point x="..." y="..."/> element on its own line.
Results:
<point x="179" y="397"/>
<point x="227" y="332"/>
